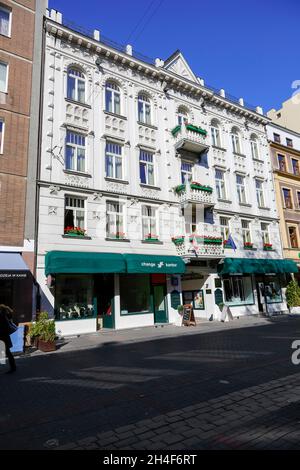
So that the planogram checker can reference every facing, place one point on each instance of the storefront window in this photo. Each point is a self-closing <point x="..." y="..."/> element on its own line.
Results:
<point x="135" y="294"/>
<point x="74" y="297"/>
<point x="272" y="290"/>
<point x="238" y="290"/>
<point x="195" y="298"/>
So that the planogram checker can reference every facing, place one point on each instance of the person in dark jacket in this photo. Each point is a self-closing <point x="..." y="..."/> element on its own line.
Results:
<point x="5" y="316"/>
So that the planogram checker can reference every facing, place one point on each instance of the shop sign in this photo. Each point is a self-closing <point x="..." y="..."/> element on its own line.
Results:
<point x="219" y="297"/>
<point x="175" y="299"/>
<point x="13" y="275"/>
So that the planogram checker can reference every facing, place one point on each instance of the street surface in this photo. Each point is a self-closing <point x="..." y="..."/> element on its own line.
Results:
<point x="221" y="386"/>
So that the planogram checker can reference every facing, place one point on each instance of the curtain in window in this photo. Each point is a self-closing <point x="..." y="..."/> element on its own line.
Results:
<point x="70" y="158"/>
<point x="3" y="73"/>
<point x="71" y="88"/>
<point x="4" y="22"/>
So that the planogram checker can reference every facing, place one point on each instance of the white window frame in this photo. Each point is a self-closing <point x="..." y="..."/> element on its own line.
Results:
<point x="246" y="231"/>
<point x="3" y="134"/>
<point x="146" y="102"/>
<point x="76" y="209"/>
<point x="77" y="79"/>
<point x="114" y="157"/>
<point x="225" y="227"/>
<point x="260" y="193"/>
<point x="182" y="117"/>
<point x="109" y="86"/>
<point x="147" y="165"/>
<point x="215" y="135"/>
<point x="7" y="72"/>
<point x="254" y="149"/>
<point x="219" y="186"/>
<point x="7" y="10"/>
<point x="148" y="218"/>
<point x="114" y="215"/>
<point x="236" y="142"/>
<point x="265" y="233"/>
<point x="186" y="172"/>
<point x="76" y="147"/>
<point x="241" y="189"/>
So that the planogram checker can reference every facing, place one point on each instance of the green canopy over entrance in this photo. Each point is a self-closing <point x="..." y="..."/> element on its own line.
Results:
<point x="154" y="264"/>
<point x="62" y="262"/>
<point x="256" y="266"/>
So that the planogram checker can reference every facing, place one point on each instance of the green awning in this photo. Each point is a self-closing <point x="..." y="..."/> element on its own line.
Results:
<point x="80" y="262"/>
<point x="154" y="264"/>
<point x="256" y="266"/>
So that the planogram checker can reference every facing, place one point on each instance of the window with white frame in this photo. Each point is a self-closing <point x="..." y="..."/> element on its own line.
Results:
<point x="220" y="184"/>
<point x="186" y="172"/>
<point x="3" y="77"/>
<point x="182" y="116"/>
<point x="75" y="152"/>
<point x="254" y="147"/>
<point x="2" y="127"/>
<point x="112" y="98"/>
<point x="147" y="171"/>
<point x="74" y="212"/>
<point x="149" y="222"/>
<point x="215" y="133"/>
<point x="144" y="109"/>
<point x="115" y="221"/>
<point x="5" y="21"/>
<point x="76" y="85"/>
<point x="114" y="160"/>
<point x="246" y="231"/>
<point x="259" y="186"/>
<point x="265" y="233"/>
<point x="236" y="141"/>
<point x="241" y="189"/>
<point x="225" y="228"/>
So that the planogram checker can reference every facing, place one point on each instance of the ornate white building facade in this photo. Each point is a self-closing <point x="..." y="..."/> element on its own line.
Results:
<point x="143" y="167"/>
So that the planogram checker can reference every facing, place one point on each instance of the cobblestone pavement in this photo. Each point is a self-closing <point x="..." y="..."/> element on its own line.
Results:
<point x="234" y="388"/>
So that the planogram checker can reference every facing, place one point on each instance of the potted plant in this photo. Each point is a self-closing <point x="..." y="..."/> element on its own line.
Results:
<point x="43" y="333"/>
<point x="248" y="245"/>
<point x="74" y="231"/>
<point x="151" y="237"/>
<point x="268" y="246"/>
<point x="292" y="295"/>
<point x="178" y="240"/>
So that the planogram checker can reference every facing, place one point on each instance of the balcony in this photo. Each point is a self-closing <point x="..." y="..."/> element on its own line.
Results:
<point x="208" y="244"/>
<point x="194" y="192"/>
<point x="190" y="137"/>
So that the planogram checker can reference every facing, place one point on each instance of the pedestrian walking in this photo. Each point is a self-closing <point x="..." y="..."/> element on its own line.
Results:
<point x="6" y="329"/>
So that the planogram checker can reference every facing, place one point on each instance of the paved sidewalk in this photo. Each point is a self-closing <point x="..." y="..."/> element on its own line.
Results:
<point x="93" y="340"/>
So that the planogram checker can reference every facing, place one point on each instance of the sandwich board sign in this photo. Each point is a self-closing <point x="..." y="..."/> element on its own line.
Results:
<point x="188" y="317"/>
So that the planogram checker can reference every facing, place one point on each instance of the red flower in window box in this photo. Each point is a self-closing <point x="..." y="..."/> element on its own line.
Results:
<point x="248" y="245"/>
<point x="75" y="231"/>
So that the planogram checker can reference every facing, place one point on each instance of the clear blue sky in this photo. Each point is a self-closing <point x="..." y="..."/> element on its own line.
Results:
<point x="249" y="48"/>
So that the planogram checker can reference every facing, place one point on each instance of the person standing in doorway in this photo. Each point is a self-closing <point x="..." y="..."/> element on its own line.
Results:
<point x="5" y="317"/>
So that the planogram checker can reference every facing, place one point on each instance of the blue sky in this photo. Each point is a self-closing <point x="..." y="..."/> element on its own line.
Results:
<point x="249" y="48"/>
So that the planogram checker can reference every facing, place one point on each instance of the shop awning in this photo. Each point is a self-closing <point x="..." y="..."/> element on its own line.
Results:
<point x="154" y="264"/>
<point x="65" y="262"/>
<point x="256" y="266"/>
<point x="12" y="262"/>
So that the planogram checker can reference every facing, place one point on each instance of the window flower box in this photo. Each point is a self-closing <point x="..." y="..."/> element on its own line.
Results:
<point x="151" y="238"/>
<point x="206" y="239"/>
<point x="198" y="130"/>
<point x="178" y="240"/>
<point x="181" y="188"/>
<point x="119" y="235"/>
<point x="268" y="246"/>
<point x="175" y="131"/>
<point x="75" y="232"/>
<point x="248" y="246"/>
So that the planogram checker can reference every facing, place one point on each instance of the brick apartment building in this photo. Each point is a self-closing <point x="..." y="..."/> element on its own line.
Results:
<point x="21" y="39"/>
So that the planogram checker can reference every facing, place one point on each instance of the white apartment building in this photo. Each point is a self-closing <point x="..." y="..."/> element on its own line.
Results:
<point x="145" y="173"/>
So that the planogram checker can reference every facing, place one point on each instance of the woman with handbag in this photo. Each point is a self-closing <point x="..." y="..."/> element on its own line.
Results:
<point x="6" y="329"/>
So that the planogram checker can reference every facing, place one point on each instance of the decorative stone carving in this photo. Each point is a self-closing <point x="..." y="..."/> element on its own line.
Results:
<point x="116" y="187"/>
<point x="77" y="180"/>
<point x="52" y="210"/>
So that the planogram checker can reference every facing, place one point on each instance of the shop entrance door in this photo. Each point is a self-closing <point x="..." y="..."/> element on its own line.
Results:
<point x="6" y="292"/>
<point x="104" y="288"/>
<point x="160" y="305"/>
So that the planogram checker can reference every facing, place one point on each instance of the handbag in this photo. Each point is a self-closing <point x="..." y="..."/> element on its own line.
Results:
<point x="12" y="328"/>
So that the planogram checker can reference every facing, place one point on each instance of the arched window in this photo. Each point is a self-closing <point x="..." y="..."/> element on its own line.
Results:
<point x="144" y="109"/>
<point x="254" y="147"/>
<point x="76" y="85"/>
<point x="112" y="98"/>
<point x="182" y="116"/>
<point x="215" y="133"/>
<point x="236" y="140"/>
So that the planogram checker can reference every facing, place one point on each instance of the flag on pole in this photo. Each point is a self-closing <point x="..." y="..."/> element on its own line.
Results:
<point x="231" y="242"/>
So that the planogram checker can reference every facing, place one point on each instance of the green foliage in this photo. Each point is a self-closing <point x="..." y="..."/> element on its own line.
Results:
<point x="293" y="294"/>
<point x="43" y="328"/>
<point x="180" y="308"/>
